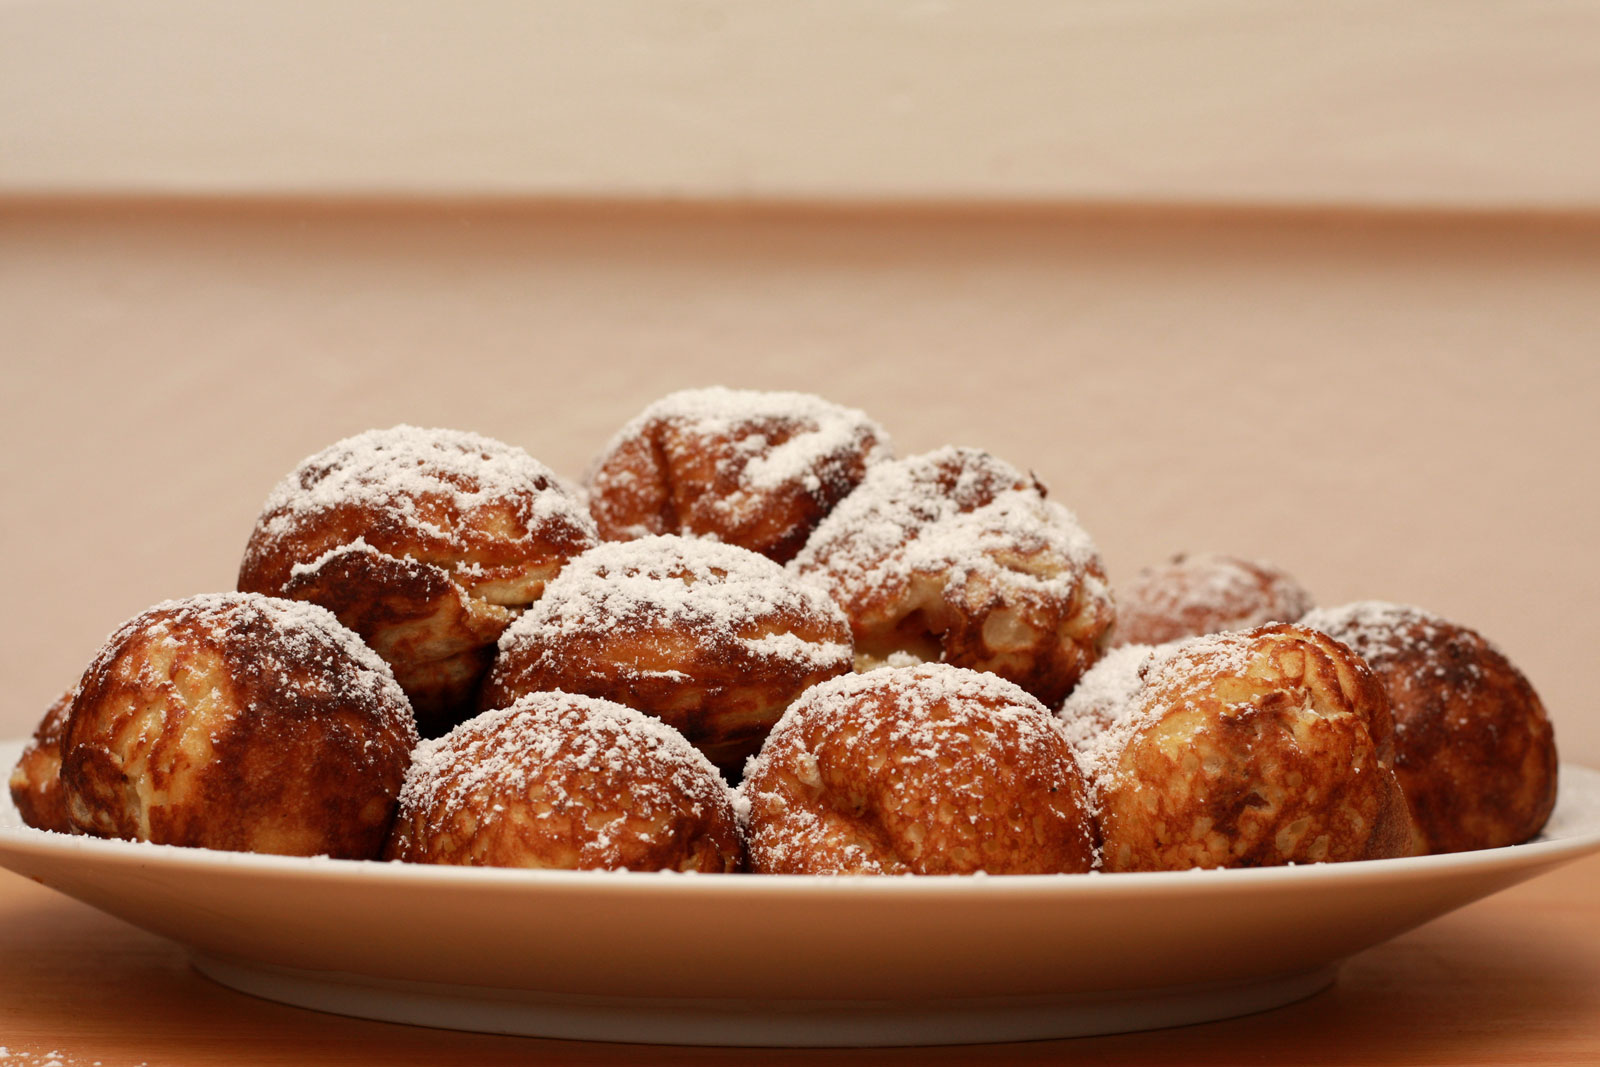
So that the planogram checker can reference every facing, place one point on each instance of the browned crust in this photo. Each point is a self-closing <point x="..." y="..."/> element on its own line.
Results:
<point x="1286" y="762"/>
<point x="1475" y="750"/>
<point x="1041" y="643"/>
<point x="226" y="737"/>
<point x="501" y="537"/>
<point x="1171" y="602"/>
<point x="860" y="800"/>
<point x="709" y="685"/>
<point x="439" y="641"/>
<point x="667" y="478"/>
<point x="724" y="704"/>
<point x="573" y="813"/>
<point x="426" y="585"/>
<point x="36" y="779"/>
<point x="979" y="617"/>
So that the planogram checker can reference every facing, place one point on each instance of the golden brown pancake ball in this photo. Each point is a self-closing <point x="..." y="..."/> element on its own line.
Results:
<point x="714" y="640"/>
<point x="36" y="779"/>
<point x="240" y="722"/>
<point x="753" y="469"/>
<point x="956" y="556"/>
<point x="929" y="769"/>
<point x="1474" y="749"/>
<point x="1205" y="594"/>
<point x="564" y="781"/>
<point x="1242" y="749"/>
<point x="425" y="542"/>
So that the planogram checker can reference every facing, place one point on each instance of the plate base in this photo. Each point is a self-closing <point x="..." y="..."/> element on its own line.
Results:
<point x="793" y="1023"/>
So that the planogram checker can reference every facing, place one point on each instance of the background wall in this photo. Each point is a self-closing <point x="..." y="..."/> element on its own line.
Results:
<point x="1395" y="406"/>
<point x="1470" y="103"/>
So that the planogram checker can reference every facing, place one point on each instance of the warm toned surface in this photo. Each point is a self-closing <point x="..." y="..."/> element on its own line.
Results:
<point x="1458" y="102"/>
<point x="1389" y="407"/>
<point x="1513" y="979"/>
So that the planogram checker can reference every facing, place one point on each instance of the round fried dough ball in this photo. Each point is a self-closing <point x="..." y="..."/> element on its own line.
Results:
<point x="1205" y="594"/>
<point x="956" y="556"/>
<point x="753" y="469"/>
<point x="240" y="722"/>
<point x="1474" y="749"/>
<point x="36" y="779"/>
<point x="713" y="639"/>
<point x="1242" y="749"/>
<point x="929" y="769"/>
<point x="427" y="543"/>
<point x="564" y="781"/>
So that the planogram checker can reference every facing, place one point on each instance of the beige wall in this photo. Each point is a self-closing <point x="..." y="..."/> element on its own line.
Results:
<point x="1390" y="406"/>
<point x="1469" y="103"/>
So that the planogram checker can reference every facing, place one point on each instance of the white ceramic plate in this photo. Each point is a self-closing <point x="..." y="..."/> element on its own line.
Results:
<point x="778" y="960"/>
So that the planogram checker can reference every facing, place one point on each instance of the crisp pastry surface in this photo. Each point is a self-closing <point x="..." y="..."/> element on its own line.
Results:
<point x="929" y="769"/>
<point x="558" y="780"/>
<point x="236" y="721"/>
<point x="1474" y="749"/>
<point x="713" y="639"/>
<point x="753" y="469"/>
<point x="425" y="542"/>
<point x="36" y="779"/>
<point x="957" y="556"/>
<point x="1203" y="594"/>
<point x="1241" y="749"/>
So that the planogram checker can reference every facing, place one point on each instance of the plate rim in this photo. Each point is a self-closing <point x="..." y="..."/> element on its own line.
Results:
<point x="25" y="840"/>
<point x="140" y="882"/>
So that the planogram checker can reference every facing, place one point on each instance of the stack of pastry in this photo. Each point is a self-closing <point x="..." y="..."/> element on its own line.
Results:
<point x="754" y="640"/>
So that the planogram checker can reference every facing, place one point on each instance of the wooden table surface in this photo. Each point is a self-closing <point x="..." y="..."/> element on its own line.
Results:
<point x="1511" y="979"/>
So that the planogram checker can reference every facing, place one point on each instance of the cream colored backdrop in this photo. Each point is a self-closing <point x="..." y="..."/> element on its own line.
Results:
<point x="1391" y="406"/>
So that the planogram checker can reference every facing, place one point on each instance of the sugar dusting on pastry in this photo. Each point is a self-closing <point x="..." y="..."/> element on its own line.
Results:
<point x="304" y="637"/>
<point x="911" y="517"/>
<point x="714" y="639"/>
<point x="562" y="780"/>
<point x="717" y="591"/>
<point x="1205" y="593"/>
<point x="958" y="556"/>
<point x="755" y="469"/>
<point x="926" y="769"/>
<point x="392" y="469"/>
<point x="819" y="430"/>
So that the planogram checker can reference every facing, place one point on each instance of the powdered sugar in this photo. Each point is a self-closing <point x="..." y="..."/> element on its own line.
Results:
<point x="817" y="430"/>
<point x="953" y="510"/>
<point x="52" y="1058"/>
<point x="1101" y="713"/>
<point x="300" y="570"/>
<point x="303" y="636"/>
<point x="930" y="700"/>
<point x="1113" y="702"/>
<point x="1189" y="664"/>
<point x="425" y="479"/>
<point x="277" y="682"/>
<point x="1416" y="643"/>
<point x="933" y="768"/>
<point x="1206" y="593"/>
<point x="668" y="583"/>
<point x="1377" y="630"/>
<point x="510" y="747"/>
<point x="793" y="647"/>
<point x="555" y="742"/>
<point x="1222" y="582"/>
